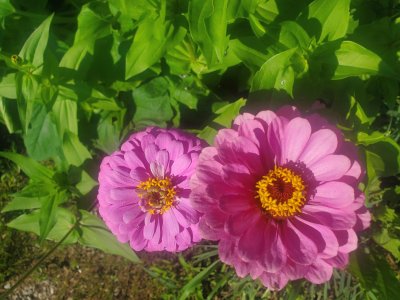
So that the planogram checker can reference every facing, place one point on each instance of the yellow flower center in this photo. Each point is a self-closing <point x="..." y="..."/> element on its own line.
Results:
<point x="156" y="195"/>
<point x="282" y="193"/>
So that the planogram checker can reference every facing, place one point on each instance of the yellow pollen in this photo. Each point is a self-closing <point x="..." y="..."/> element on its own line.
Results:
<point x="282" y="193"/>
<point x="156" y="195"/>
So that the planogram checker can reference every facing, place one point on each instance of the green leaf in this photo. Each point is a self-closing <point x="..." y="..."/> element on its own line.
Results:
<point x="9" y="114"/>
<point x="135" y="9"/>
<point x="191" y="286"/>
<point x="42" y="140"/>
<point x="8" y="87"/>
<point x="27" y="87"/>
<point x="226" y="114"/>
<point x="388" y="241"/>
<point x="65" y="115"/>
<point x="31" y="197"/>
<point x="292" y="35"/>
<point x="355" y="60"/>
<point x="75" y="152"/>
<point x="151" y="40"/>
<point x="109" y="130"/>
<point x="48" y="214"/>
<point x="276" y="73"/>
<point x="95" y="234"/>
<point x="382" y="154"/>
<point x="374" y="274"/>
<point x="64" y="222"/>
<point x="35" y="46"/>
<point x="6" y="9"/>
<point x="91" y="27"/>
<point x="86" y="184"/>
<point x="208" y="23"/>
<point x="152" y="103"/>
<point x="323" y="18"/>
<point x="30" y="167"/>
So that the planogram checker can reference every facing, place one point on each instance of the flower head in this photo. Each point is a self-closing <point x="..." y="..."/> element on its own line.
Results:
<point x="144" y="190"/>
<point x="279" y="193"/>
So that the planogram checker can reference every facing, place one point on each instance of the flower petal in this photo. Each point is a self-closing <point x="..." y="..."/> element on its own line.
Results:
<point x="331" y="167"/>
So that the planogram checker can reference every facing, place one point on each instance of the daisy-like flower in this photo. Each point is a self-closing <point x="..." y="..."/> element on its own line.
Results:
<point x="144" y="190"/>
<point x="279" y="193"/>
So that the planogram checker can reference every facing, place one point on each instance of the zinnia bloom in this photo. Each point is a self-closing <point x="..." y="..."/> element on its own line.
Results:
<point x="144" y="190"/>
<point x="279" y="193"/>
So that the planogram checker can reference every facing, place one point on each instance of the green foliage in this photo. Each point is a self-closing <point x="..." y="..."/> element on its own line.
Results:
<point x="77" y="77"/>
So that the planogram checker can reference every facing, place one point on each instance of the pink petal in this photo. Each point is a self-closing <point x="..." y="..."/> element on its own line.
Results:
<point x="331" y="167"/>
<point x="234" y="204"/>
<point x="275" y="257"/>
<point x="149" y="226"/>
<point x="347" y="240"/>
<point x="322" y="236"/>
<point x="150" y="153"/>
<point x="123" y="194"/>
<point x="180" y="165"/>
<point x="137" y="240"/>
<point x="250" y="246"/>
<point x="267" y="116"/>
<point x="336" y="219"/>
<point x="239" y="223"/>
<point x="321" y="143"/>
<point x="163" y="140"/>
<point x="133" y="160"/>
<point x="296" y="136"/>
<point x="300" y="248"/>
<point x="170" y="223"/>
<point x="139" y="175"/>
<point x="334" y="194"/>
<point x="319" y="272"/>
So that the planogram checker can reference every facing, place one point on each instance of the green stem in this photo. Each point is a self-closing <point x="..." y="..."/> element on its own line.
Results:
<point x="42" y="259"/>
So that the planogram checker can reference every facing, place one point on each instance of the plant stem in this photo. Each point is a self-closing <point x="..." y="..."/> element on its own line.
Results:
<point x="34" y="267"/>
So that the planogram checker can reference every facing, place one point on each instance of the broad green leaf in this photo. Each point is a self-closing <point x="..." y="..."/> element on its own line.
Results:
<point x="9" y="114"/>
<point x="328" y="19"/>
<point x="35" y="46"/>
<point x="30" y="167"/>
<point x="95" y="234"/>
<point x="208" y="23"/>
<point x="151" y="40"/>
<point x="251" y="57"/>
<point x="31" y="197"/>
<point x="42" y="140"/>
<point x="355" y="60"/>
<point x="388" y="241"/>
<point x="276" y="73"/>
<point x="190" y="287"/>
<point x="240" y="9"/>
<point x="109" y="130"/>
<point x="135" y="9"/>
<point x="152" y="103"/>
<point x="86" y="184"/>
<point x="375" y="275"/>
<point x="292" y="35"/>
<point x="91" y="27"/>
<point x="226" y="114"/>
<point x="64" y="222"/>
<point x="65" y="115"/>
<point x="8" y="87"/>
<point x="48" y="213"/>
<point x="75" y="152"/>
<point x="6" y="9"/>
<point x="27" y="88"/>
<point x="267" y="11"/>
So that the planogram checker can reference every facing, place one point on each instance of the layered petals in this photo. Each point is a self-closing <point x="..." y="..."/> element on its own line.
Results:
<point x="144" y="190"/>
<point x="279" y="192"/>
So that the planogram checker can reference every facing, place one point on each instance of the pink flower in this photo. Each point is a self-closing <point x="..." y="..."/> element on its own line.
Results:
<point x="279" y="193"/>
<point x="144" y="190"/>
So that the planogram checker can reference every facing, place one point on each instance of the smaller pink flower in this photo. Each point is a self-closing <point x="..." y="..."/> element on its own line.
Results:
<point x="144" y="190"/>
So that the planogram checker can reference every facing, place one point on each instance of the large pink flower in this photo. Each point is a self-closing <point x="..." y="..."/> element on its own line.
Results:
<point x="144" y="190"/>
<point x="279" y="193"/>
